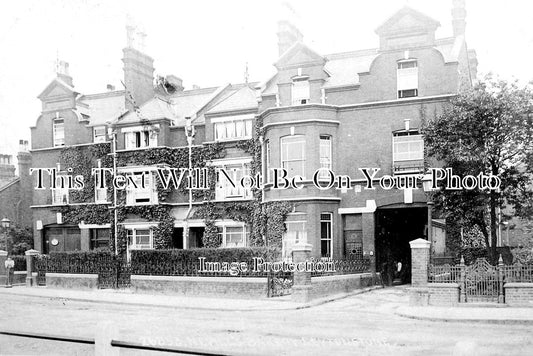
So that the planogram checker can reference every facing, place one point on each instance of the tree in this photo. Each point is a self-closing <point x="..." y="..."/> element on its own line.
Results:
<point x="487" y="128"/>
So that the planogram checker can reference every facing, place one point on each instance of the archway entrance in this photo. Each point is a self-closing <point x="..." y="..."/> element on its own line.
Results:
<point x="395" y="227"/>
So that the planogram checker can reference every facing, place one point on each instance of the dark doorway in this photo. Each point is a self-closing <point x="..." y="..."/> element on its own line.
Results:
<point x="196" y="237"/>
<point x="394" y="229"/>
<point x="177" y="238"/>
<point x="59" y="238"/>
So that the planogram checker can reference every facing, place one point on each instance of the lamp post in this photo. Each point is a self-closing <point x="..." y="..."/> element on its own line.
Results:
<point x="5" y="225"/>
<point x="9" y="263"/>
<point x="189" y="133"/>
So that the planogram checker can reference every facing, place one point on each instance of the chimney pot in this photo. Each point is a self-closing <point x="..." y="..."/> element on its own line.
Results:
<point x="110" y="87"/>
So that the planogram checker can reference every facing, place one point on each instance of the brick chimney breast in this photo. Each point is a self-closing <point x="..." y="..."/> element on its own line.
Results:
<point x="138" y="70"/>
<point x="458" y="17"/>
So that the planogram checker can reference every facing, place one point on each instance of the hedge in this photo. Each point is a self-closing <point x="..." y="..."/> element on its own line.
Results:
<point x="20" y="262"/>
<point x="186" y="262"/>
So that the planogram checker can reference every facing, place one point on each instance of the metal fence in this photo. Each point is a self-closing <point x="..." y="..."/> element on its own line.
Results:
<point x="347" y="266"/>
<point x="481" y="281"/>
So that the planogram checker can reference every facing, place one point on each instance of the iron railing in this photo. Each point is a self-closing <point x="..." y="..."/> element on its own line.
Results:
<point x="347" y="266"/>
<point x="444" y="274"/>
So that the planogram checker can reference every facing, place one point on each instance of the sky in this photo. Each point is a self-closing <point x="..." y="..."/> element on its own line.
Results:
<point x="209" y="42"/>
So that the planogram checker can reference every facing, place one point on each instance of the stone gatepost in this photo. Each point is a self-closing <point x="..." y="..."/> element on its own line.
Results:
<point x="301" y="288"/>
<point x="30" y="267"/>
<point x="419" y="272"/>
<point x="3" y="271"/>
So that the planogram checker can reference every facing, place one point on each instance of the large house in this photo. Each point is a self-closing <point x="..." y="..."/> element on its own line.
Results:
<point x="339" y="112"/>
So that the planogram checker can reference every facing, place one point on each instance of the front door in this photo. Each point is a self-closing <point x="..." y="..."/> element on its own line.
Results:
<point x="60" y="239"/>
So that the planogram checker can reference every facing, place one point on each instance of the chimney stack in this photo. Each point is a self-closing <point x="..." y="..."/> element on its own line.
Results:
<point x="288" y="35"/>
<point x="63" y="73"/>
<point x="458" y="18"/>
<point x="26" y="189"/>
<point x="138" y="70"/>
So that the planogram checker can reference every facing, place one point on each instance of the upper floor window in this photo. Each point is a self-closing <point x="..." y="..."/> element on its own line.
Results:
<point x="268" y="163"/>
<point x="293" y="155"/>
<point x="99" y="134"/>
<point x="300" y="92"/>
<point x="233" y="128"/>
<point x="59" y="132"/>
<point x="139" y="137"/>
<point x="407" y="78"/>
<point x="233" y="235"/>
<point x="325" y="155"/>
<point x="60" y="196"/>
<point x="136" y="194"/>
<point x="229" y="181"/>
<point x="408" y="146"/>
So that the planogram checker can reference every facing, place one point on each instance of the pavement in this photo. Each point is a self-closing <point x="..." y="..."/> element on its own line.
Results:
<point x="469" y="314"/>
<point x="466" y="313"/>
<point x="124" y="296"/>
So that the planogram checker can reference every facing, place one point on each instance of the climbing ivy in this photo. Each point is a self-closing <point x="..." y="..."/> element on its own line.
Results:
<point x="266" y="219"/>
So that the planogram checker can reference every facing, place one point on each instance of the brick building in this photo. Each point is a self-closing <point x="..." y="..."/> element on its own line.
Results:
<point x="341" y="112"/>
<point x="15" y="191"/>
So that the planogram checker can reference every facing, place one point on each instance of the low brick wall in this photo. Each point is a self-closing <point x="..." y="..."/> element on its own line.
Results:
<point x="229" y="287"/>
<point x="443" y="294"/>
<point x="72" y="281"/>
<point x="519" y="294"/>
<point x="330" y="285"/>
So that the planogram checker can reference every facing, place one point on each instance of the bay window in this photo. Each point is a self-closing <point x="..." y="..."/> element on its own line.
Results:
<point x="140" y="238"/>
<point x="295" y="233"/>
<point x="136" y="194"/>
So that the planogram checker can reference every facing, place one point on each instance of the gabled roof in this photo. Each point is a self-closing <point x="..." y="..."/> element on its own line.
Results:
<point x="153" y="109"/>
<point x="407" y="18"/>
<point x="105" y="107"/>
<point x="240" y="97"/>
<point x="187" y="103"/>
<point x="298" y="53"/>
<point x="55" y="83"/>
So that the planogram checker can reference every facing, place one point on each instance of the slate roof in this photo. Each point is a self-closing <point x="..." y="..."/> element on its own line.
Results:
<point x="104" y="108"/>
<point x="239" y="97"/>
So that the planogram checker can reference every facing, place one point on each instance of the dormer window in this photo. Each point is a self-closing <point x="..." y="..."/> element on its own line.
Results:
<point x="300" y="91"/>
<point x="407" y="78"/>
<point x="59" y="132"/>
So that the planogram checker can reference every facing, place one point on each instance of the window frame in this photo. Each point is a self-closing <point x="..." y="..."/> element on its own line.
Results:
<point x="297" y="87"/>
<point x="223" y="233"/>
<point x="63" y="192"/>
<point x="132" y="238"/>
<point x="99" y="138"/>
<point x="417" y="137"/>
<point x="402" y="90"/>
<point x="56" y="123"/>
<point x="134" y="139"/>
<point x="328" y="165"/>
<point x="225" y="124"/>
<point x="150" y="190"/>
<point x="329" y="239"/>
<point x="283" y="150"/>
<point x="95" y="239"/>
<point x="243" y="166"/>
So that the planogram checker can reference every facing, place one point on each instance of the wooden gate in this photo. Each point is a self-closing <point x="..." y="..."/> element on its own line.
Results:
<point x="481" y="282"/>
